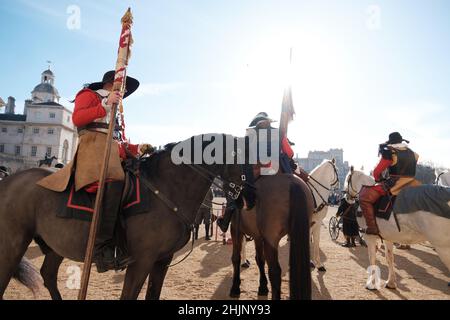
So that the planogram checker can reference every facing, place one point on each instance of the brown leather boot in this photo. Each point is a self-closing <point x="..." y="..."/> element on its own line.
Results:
<point x="367" y="198"/>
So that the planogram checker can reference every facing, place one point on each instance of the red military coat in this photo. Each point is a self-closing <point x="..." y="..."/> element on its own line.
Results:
<point x="88" y="159"/>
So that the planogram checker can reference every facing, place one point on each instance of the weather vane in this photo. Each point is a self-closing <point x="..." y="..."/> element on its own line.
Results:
<point x="49" y="64"/>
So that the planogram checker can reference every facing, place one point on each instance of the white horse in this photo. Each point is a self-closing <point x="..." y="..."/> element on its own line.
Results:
<point x="415" y="227"/>
<point x="443" y="179"/>
<point x="321" y="182"/>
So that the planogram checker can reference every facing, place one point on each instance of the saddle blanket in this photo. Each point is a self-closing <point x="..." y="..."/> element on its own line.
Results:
<point x="429" y="198"/>
<point x="80" y="205"/>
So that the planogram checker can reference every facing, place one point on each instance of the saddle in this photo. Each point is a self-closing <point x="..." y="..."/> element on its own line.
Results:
<point x="80" y="204"/>
<point x="384" y="206"/>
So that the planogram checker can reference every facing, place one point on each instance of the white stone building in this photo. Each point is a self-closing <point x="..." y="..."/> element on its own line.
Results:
<point x="315" y="158"/>
<point x="44" y="128"/>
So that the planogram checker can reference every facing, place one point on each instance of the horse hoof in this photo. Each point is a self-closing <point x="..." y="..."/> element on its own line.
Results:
<point x="322" y="269"/>
<point x="263" y="292"/>
<point x="390" y="287"/>
<point x="312" y="265"/>
<point x="371" y="289"/>
<point x="235" y="293"/>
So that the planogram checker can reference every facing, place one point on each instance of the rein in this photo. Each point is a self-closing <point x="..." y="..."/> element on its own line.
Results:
<point x="209" y="176"/>
<point x="324" y="203"/>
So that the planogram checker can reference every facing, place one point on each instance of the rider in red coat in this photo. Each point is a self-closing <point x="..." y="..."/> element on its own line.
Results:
<point x="92" y="107"/>
<point x="398" y="162"/>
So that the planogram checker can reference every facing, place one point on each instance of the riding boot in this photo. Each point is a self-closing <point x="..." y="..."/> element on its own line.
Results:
<point x="207" y="232"/>
<point x="107" y="255"/>
<point x="224" y="222"/>
<point x="368" y="197"/>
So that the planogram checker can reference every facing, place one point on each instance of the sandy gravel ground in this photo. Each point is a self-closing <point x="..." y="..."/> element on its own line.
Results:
<point x="207" y="273"/>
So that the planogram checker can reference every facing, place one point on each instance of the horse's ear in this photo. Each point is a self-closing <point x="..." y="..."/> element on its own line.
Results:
<point x="333" y="160"/>
<point x="352" y="169"/>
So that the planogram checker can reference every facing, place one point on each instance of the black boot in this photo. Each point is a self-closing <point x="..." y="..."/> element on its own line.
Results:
<point x="196" y="232"/>
<point x="207" y="232"/>
<point x="224" y="222"/>
<point x="107" y="255"/>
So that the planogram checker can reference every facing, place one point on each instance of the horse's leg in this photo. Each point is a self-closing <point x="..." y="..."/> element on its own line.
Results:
<point x="391" y="283"/>
<point x="315" y="248"/>
<point x="261" y="262"/>
<point x="237" y="237"/>
<point x="135" y="277"/>
<point x="156" y="279"/>
<point x="271" y="254"/>
<point x="373" y="280"/>
<point x="14" y="245"/>
<point x="49" y="272"/>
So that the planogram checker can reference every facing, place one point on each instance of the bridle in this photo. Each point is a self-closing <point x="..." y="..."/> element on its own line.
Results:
<point x="350" y="186"/>
<point x="439" y="177"/>
<point x="324" y="203"/>
<point x="232" y="189"/>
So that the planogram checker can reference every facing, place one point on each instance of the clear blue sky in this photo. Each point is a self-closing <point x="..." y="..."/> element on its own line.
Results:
<point x="359" y="72"/>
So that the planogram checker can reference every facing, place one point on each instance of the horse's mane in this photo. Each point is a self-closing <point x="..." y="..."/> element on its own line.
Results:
<point x="150" y="165"/>
<point x="319" y="166"/>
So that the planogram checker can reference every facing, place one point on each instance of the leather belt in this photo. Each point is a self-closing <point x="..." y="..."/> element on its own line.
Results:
<point x="94" y="126"/>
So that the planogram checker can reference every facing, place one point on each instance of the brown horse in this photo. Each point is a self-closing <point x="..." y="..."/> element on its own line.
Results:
<point x="28" y="212"/>
<point x="284" y="206"/>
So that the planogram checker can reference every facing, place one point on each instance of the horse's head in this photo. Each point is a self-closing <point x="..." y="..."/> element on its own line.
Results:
<point x="443" y="179"/>
<point x="354" y="181"/>
<point x="326" y="173"/>
<point x="214" y="156"/>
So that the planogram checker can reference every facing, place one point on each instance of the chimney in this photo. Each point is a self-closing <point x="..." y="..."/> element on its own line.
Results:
<point x="28" y="102"/>
<point x="11" y="105"/>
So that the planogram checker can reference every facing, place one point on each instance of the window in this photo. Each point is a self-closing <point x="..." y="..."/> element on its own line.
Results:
<point x="33" y="151"/>
<point x="49" y="151"/>
<point x="2" y="148"/>
<point x="36" y="130"/>
<point x="4" y="130"/>
<point x="19" y="130"/>
<point x="17" y="150"/>
<point x="51" y="131"/>
<point x="52" y="115"/>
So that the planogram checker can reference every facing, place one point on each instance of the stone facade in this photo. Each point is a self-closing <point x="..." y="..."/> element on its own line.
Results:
<point x="315" y="158"/>
<point x="44" y="128"/>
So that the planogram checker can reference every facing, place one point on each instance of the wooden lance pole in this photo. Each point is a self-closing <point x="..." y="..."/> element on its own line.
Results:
<point x="124" y="52"/>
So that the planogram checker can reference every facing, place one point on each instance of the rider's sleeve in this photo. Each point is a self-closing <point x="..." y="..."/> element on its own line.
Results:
<point x="286" y="147"/>
<point x="88" y="107"/>
<point x="382" y="165"/>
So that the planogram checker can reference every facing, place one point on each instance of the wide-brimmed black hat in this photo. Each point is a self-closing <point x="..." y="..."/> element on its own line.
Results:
<point x="395" y="138"/>
<point x="260" y="117"/>
<point x="130" y="86"/>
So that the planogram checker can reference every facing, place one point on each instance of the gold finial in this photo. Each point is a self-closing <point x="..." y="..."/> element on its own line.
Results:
<point x="128" y="17"/>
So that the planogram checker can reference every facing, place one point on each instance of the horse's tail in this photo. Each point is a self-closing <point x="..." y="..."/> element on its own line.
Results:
<point x="27" y="274"/>
<point x="299" y="256"/>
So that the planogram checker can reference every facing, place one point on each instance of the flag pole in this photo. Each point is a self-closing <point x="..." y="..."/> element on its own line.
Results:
<point x="287" y="108"/>
<point x="119" y="85"/>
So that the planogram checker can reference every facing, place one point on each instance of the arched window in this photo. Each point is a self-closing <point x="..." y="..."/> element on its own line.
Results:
<point x="65" y="151"/>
